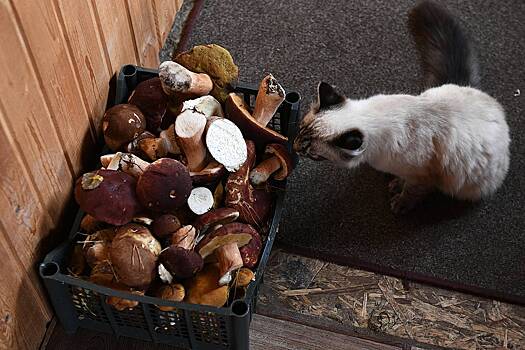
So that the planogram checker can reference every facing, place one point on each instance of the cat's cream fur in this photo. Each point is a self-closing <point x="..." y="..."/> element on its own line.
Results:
<point x="451" y="138"/>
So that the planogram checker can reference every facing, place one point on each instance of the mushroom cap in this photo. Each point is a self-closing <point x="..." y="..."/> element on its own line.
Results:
<point x="108" y="196"/>
<point x="96" y="246"/>
<point x="213" y="172"/>
<point x="164" y="186"/>
<point x="215" y="217"/>
<point x="165" y="225"/>
<point x="134" y="253"/>
<point x="250" y="253"/>
<point x="149" y="97"/>
<point x="90" y="225"/>
<point x="215" y="61"/>
<point x="280" y="151"/>
<point x="204" y="288"/>
<point x="121" y="124"/>
<point x="133" y="146"/>
<point x="238" y="112"/>
<point x="244" y="277"/>
<point x="253" y="205"/>
<point x="122" y="304"/>
<point x="181" y="263"/>
<point x="103" y="274"/>
<point x="234" y="232"/>
<point x="173" y="292"/>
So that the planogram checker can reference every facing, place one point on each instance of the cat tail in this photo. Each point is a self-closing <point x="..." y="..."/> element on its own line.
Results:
<point x="446" y="53"/>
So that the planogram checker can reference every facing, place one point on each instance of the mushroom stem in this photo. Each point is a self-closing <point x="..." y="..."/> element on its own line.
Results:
<point x="189" y="128"/>
<point x="170" y="139"/>
<point x="261" y="173"/>
<point x="269" y="98"/>
<point x="184" y="237"/>
<point x="126" y="162"/>
<point x="229" y="259"/>
<point x="177" y="79"/>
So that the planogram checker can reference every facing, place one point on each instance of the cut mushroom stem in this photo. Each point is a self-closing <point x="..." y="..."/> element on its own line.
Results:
<point x="229" y="259"/>
<point x="126" y="162"/>
<point x="200" y="200"/>
<point x="189" y="128"/>
<point x="226" y="143"/>
<point x="269" y="98"/>
<point x="177" y="79"/>
<point x="261" y="173"/>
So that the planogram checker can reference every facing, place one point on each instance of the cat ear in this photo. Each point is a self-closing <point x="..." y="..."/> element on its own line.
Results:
<point x="327" y="96"/>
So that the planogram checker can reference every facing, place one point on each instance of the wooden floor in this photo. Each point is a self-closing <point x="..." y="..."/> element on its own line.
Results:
<point x="265" y="334"/>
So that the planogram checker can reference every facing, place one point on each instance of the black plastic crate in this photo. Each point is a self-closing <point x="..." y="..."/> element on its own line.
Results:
<point x="79" y="303"/>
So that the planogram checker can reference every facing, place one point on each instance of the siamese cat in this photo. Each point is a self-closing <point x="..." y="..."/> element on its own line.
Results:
<point x="453" y="137"/>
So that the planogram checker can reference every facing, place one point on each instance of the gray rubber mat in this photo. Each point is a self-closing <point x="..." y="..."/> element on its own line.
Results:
<point x="364" y="48"/>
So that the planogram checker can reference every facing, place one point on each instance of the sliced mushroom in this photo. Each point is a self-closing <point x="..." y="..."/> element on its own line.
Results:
<point x="164" y="186"/>
<point x="108" y="196"/>
<point x="200" y="200"/>
<point x="226" y="143"/>
<point x="121" y="124"/>
<point x="149" y="97"/>
<point x="177" y="79"/>
<point x="269" y="98"/>
<point x="278" y="163"/>
<point x="189" y="127"/>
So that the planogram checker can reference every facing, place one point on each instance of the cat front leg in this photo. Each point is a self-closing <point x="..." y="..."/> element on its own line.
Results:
<point x="395" y="186"/>
<point x="407" y="199"/>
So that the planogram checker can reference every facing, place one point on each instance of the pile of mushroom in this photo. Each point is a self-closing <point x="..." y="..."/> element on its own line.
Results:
<point x="179" y="209"/>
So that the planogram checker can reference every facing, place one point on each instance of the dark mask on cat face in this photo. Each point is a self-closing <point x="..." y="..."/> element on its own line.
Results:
<point x="316" y="141"/>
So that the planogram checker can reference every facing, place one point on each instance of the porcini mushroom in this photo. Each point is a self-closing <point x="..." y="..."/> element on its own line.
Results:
<point x="122" y="304"/>
<point x="215" y="61"/>
<point x="250" y="252"/>
<point x="244" y="277"/>
<point x="180" y="259"/>
<point x="200" y="200"/>
<point x="126" y="162"/>
<point x="205" y="289"/>
<point x="213" y="172"/>
<point x="269" y="98"/>
<point x="164" y="186"/>
<point x="165" y="225"/>
<point x="177" y="79"/>
<point x="215" y="217"/>
<point x="96" y="246"/>
<point x="278" y="163"/>
<point x="160" y="147"/>
<point x="206" y="105"/>
<point x="253" y="204"/>
<point x="89" y="224"/>
<point x="133" y="146"/>
<point x="189" y="128"/>
<point x="134" y="252"/>
<point x="225" y="243"/>
<point x="226" y="143"/>
<point x="238" y="112"/>
<point x="121" y="124"/>
<point x="149" y="97"/>
<point x="172" y="292"/>
<point x="108" y="196"/>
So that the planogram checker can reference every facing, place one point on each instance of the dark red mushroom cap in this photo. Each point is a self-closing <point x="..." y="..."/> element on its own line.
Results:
<point x="121" y="124"/>
<point x="180" y="262"/>
<point x="234" y="232"/>
<point x="164" y="186"/>
<point x="214" y="217"/>
<point x="108" y="196"/>
<point x="250" y="253"/>
<point x="165" y="225"/>
<point x="152" y="101"/>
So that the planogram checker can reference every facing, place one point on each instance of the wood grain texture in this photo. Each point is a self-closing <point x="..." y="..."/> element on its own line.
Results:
<point x="45" y="41"/>
<point x="353" y="301"/>
<point x="164" y="12"/>
<point x="144" y="33"/>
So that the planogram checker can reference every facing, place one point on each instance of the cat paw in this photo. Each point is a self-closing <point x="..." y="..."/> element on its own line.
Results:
<point x="396" y="186"/>
<point x="401" y="204"/>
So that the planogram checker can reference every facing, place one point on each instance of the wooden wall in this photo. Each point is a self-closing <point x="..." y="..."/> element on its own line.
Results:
<point x="56" y="60"/>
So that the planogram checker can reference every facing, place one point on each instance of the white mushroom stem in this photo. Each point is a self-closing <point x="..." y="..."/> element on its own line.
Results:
<point x="269" y="98"/>
<point x="184" y="237"/>
<point x="200" y="200"/>
<point x="126" y="162"/>
<point x="177" y="79"/>
<point x="206" y="105"/>
<point x="262" y="172"/>
<point x="189" y="128"/>
<point x="226" y="143"/>
<point x="229" y="258"/>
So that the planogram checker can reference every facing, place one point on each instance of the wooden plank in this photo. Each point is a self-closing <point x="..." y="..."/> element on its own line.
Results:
<point x="22" y="318"/>
<point x="164" y="12"/>
<point x="84" y="43"/>
<point x="144" y="32"/>
<point x="271" y="333"/>
<point x="353" y="301"/>
<point x="27" y="122"/>
<point x="117" y="37"/>
<point x="48" y="53"/>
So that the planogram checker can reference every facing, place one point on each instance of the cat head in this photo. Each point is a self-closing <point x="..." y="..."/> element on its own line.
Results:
<point x="326" y="132"/>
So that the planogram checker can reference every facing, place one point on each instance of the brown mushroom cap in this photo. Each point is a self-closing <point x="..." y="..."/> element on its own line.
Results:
<point x="108" y="196"/>
<point x="164" y="186"/>
<point x="181" y="263"/>
<point x="90" y="225"/>
<point x="121" y="124"/>
<point x="122" y="304"/>
<point x="250" y="253"/>
<point x="238" y="112"/>
<point x="133" y="146"/>
<point x="149" y="97"/>
<point x="173" y="292"/>
<point x="204" y="288"/>
<point x="96" y="246"/>
<point x="234" y="232"/>
<point x="165" y="225"/>
<point x="103" y="274"/>
<point x="215" y="217"/>
<point x="244" y="277"/>
<point x="134" y="253"/>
